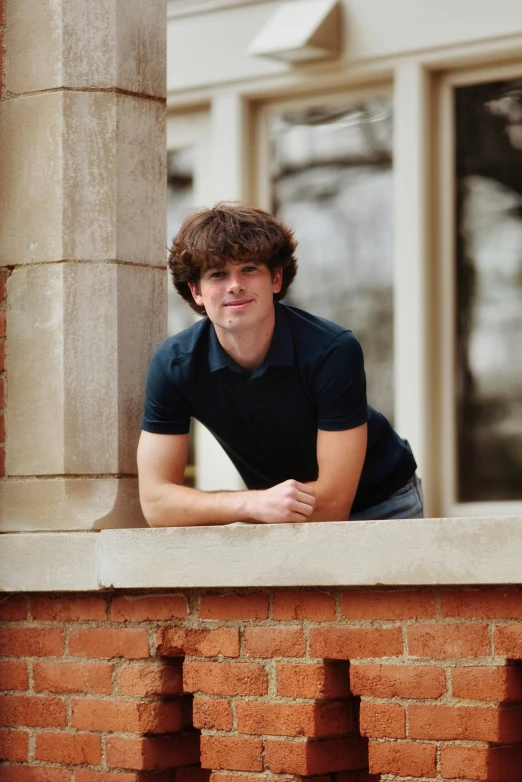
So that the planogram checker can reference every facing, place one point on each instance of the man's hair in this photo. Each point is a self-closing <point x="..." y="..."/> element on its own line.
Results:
<point x="235" y="232"/>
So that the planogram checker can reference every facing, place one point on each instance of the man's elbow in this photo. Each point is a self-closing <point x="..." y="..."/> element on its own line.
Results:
<point x="153" y="510"/>
<point x="332" y="509"/>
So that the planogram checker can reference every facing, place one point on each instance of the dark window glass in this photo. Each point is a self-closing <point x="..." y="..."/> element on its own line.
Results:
<point x="180" y="199"/>
<point x="489" y="290"/>
<point x="331" y="170"/>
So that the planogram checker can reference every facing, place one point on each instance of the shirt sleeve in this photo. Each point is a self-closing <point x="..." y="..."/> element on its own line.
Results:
<point x="340" y="386"/>
<point x="166" y="410"/>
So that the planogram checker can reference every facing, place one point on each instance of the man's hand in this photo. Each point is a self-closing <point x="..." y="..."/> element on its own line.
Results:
<point x="287" y="502"/>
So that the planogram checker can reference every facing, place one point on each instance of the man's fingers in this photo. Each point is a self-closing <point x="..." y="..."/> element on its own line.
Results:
<point x="303" y="508"/>
<point x="305" y="489"/>
<point x="305" y="499"/>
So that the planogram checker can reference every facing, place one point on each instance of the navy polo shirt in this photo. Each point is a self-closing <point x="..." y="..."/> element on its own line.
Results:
<point x="312" y="378"/>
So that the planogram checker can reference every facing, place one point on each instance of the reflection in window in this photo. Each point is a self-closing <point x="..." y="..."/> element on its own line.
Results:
<point x="489" y="290"/>
<point x="332" y="183"/>
<point x="180" y="199"/>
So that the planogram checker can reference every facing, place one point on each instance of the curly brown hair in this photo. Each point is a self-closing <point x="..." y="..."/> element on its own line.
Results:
<point x="230" y="231"/>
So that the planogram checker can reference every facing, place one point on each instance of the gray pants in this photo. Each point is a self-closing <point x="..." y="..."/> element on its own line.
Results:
<point x="406" y="503"/>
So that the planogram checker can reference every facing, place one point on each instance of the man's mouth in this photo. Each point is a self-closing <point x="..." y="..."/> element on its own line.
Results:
<point x="238" y="304"/>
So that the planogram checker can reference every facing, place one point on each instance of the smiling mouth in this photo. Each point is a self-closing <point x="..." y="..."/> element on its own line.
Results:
<point x="238" y="305"/>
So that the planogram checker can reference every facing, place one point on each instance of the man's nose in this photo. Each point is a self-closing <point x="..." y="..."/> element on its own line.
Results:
<point x="235" y="282"/>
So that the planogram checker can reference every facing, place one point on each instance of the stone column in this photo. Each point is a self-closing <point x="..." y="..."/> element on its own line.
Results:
<point x="83" y="228"/>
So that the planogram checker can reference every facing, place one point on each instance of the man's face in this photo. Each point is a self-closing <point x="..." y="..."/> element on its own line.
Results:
<point x="238" y="296"/>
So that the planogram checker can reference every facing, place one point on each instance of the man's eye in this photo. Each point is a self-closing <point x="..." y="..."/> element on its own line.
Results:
<point x="250" y="268"/>
<point x="216" y="275"/>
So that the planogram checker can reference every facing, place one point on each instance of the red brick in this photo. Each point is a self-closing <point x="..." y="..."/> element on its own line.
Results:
<point x="280" y="719"/>
<point x="397" y="681"/>
<point x="382" y="720"/>
<point x="507" y="640"/>
<point x="2" y="392"/>
<point x="318" y="681"/>
<point x="151" y="679"/>
<point x="149" y="607"/>
<point x="488" y="684"/>
<point x="127" y="716"/>
<point x="151" y="753"/>
<point x="32" y="711"/>
<point x="13" y="609"/>
<point x="31" y="642"/>
<point x="69" y="609"/>
<point x="315" y="606"/>
<point x="274" y="642"/>
<point x="14" y="745"/>
<point x="465" y="723"/>
<point x="348" y="643"/>
<point x="212" y="714"/>
<point x="37" y="774"/>
<point x="85" y="775"/>
<point x="3" y="275"/>
<point x="388" y="605"/>
<point x="225" y="678"/>
<point x="504" y="603"/>
<point x="2" y="356"/>
<point x="13" y="675"/>
<point x="315" y="757"/>
<point x="74" y="749"/>
<point x="231" y="753"/>
<point x="403" y="758"/>
<point x="2" y="428"/>
<point x="93" y="678"/>
<point x="448" y="641"/>
<point x="496" y="764"/>
<point x="109" y="643"/>
<point x="253" y="606"/>
<point x="178" y="641"/>
<point x="2" y="323"/>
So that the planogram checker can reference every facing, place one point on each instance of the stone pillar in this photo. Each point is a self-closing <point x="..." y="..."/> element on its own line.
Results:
<point x="83" y="229"/>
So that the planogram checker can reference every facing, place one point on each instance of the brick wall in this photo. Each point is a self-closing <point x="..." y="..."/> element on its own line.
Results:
<point x="422" y="684"/>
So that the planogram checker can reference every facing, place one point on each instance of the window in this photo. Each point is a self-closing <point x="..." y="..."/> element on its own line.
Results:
<point x="331" y="181"/>
<point x="480" y="266"/>
<point x="488" y="271"/>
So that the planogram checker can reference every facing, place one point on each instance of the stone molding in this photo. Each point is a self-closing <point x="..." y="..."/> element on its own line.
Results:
<point x="432" y="552"/>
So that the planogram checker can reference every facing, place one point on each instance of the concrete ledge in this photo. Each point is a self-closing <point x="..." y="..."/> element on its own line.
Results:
<point x="49" y="562"/>
<point x="432" y="552"/>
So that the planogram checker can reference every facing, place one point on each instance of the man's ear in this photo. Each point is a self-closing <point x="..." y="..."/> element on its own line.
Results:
<point x="277" y="279"/>
<point x="196" y="295"/>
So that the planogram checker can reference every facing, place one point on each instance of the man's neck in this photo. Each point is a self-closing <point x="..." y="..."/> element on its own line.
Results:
<point x="248" y="348"/>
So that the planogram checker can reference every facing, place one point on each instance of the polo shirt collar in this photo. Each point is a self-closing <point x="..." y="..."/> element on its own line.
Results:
<point x="280" y="353"/>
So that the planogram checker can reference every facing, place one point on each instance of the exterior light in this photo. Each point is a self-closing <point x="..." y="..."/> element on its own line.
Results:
<point x="300" y="31"/>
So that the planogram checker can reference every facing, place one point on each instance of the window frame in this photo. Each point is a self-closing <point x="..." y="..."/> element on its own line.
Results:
<point x="445" y="252"/>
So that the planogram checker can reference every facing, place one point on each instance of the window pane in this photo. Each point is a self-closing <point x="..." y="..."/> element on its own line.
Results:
<point x="180" y="199"/>
<point x="332" y="183"/>
<point x="489" y="290"/>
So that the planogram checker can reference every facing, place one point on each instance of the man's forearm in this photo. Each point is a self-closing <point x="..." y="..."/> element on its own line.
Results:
<point x="173" y="505"/>
<point x="329" y="506"/>
<point x="182" y="506"/>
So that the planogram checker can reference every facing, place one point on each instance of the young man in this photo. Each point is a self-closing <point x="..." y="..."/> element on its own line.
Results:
<point x="283" y="391"/>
